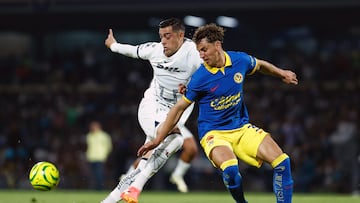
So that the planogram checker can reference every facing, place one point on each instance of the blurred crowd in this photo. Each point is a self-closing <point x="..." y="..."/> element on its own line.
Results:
<point x="48" y="100"/>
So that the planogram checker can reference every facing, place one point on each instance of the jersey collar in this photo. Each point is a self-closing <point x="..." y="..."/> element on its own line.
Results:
<point x="214" y="70"/>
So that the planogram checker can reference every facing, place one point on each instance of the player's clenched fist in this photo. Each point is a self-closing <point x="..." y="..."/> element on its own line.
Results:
<point x="110" y="39"/>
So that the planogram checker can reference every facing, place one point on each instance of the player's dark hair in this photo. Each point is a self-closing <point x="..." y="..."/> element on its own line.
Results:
<point x="211" y="32"/>
<point x="176" y="24"/>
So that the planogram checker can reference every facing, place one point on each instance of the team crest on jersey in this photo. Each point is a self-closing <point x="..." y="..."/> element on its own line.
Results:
<point x="238" y="77"/>
<point x="210" y="140"/>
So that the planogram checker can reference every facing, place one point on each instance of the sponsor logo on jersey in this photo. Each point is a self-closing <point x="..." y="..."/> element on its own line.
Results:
<point x="170" y="69"/>
<point x="225" y="102"/>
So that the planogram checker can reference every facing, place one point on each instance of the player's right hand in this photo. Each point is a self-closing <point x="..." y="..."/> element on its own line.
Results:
<point x="110" y="39"/>
<point x="146" y="148"/>
<point x="289" y="77"/>
<point x="181" y="88"/>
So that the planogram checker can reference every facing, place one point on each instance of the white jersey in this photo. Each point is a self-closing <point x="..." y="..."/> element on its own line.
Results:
<point x="168" y="73"/>
<point x="171" y="71"/>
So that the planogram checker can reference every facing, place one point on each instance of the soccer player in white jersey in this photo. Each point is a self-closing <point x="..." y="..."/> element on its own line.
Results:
<point x="173" y="60"/>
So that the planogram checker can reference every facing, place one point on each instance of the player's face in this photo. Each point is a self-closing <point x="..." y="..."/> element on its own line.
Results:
<point x="210" y="52"/>
<point x="170" y="40"/>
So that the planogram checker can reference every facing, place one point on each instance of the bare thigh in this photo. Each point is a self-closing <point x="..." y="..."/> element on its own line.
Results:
<point x="269" y="150"/>
<point x="190" y="150"/>
<point x="221" y="154"/>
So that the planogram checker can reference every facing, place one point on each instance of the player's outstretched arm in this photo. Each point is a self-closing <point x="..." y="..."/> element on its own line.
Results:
<point x="287" y="76"/>
<point x="124" y="49"/>
<point x="110" y="39"/>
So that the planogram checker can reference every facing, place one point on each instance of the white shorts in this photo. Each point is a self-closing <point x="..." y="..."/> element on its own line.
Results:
<point x="150" y="112"/>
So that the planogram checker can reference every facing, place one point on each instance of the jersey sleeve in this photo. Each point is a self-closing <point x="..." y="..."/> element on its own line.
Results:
<point x="125" y="49"/>
<point x="146" y="50"/>
<point x="142" y="51"/>
<point x="190" y="96"/>
<point x="253" y="65"/>
<point x="194" y="88"/>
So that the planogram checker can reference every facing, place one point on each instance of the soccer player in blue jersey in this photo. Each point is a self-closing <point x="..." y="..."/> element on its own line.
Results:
<point x="224" y="130"/>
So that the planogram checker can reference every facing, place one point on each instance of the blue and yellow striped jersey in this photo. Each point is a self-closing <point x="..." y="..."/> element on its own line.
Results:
<point x="219" y="93"/>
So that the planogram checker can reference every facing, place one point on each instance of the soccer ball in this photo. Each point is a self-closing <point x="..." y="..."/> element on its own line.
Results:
<point x="44" y="176"/>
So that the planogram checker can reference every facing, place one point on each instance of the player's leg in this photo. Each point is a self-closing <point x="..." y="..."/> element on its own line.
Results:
<point x="219" y="152"/>
<point x="147" y="123"/>
<point x="157" y="159"/>
<point x="256" y="146"/>
<point x="225" y="159"/>
<point x="270" y="152"/>
<point x="131" y="168"/>
<point x="125" y="182"/>
<point x="188" y="153"/>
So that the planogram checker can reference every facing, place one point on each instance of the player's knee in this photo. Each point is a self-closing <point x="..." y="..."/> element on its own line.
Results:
<point x="281" y="158"/>
<point x="173" y="143"/>
<point x="231" y="177"/>
<point x="190" y="147"/>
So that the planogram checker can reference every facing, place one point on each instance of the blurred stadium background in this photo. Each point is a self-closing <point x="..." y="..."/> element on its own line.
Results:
<point x="56" y="76"/>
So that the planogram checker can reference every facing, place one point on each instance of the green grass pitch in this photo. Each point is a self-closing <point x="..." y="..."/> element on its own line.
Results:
<point x="64" y="196"/>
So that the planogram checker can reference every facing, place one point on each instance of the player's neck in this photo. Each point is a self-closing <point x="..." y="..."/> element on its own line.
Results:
<point x="222" y="60"/>
<point x="178" y="48"/>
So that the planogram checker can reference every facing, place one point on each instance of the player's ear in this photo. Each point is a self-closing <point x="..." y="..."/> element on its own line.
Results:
<point x="218" y="45"/>
<point x="181" y="34"/>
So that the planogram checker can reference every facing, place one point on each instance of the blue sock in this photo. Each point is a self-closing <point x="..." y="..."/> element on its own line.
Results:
<point x="233" y="182"/>
<point x="282" y="182"/>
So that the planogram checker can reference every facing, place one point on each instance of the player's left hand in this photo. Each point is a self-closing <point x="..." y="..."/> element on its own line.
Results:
<point x="110" y="39"/>
<point x="145" y="148"/>
<point x="289" y="77"/>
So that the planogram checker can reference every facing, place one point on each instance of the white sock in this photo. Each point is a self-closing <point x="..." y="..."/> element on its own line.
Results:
<point x="140" y="181"/>
<point x="142" y="163"/>
<point x="124" y="184"/>
<point x="181" y="168"/>
<point x="158" y="158"/>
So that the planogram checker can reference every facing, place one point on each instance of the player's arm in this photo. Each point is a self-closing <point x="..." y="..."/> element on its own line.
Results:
<point x="124" y="49"/>
<point x="286" y="76"/>
<point x="165" y="127"/>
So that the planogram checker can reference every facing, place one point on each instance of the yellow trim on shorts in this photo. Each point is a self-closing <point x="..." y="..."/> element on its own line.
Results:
<point x="278" y="160"/>
<point x="231" y="162"/>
